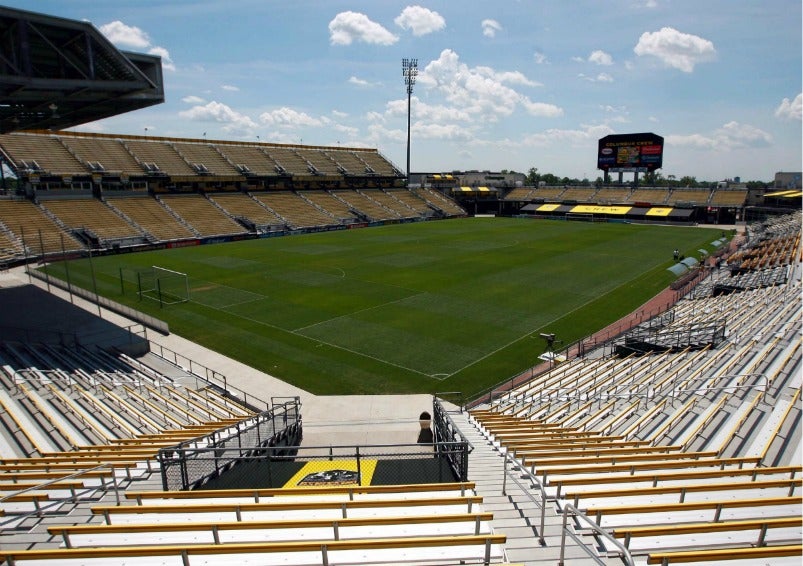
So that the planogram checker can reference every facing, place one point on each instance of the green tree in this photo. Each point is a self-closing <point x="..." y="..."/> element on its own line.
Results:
<point x="550" y="179"/>
<point x="532" y="176"/>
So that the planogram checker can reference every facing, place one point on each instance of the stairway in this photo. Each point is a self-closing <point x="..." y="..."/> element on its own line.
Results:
<point x="517" y="510"/>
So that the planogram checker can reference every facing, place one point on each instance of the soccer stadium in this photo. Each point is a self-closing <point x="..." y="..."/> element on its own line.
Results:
<point x="218" y="352"/>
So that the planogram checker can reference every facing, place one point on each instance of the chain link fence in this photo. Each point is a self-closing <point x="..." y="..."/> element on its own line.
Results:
<point x="274" y="432"/>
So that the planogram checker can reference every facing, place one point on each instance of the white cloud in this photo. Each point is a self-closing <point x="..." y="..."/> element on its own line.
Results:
<point x="288" y="118"/>
<point x="676" y="49"/>
<point x="167" y="62"/>
<point x="192" y="99"/>
<point x="350" y="131"/>
<point x="732" y="135"/>
<point x="348" y="27"/>
<point x="490" y="27"/>
<point x="421" y="130"/>
<point x="542" y="109"/>
<point x="377" y="131"/>
<point x="230" y="88"/>
<point x="790" y="109"/>
<point x="234" y="122"/>
<point x="744" y="135"/>
<point x="512" y="77"/>
<point x="600" y="78"/>
<point x="359" y="82"/>
<point x="600" y="58"/>
<point x="94" y="127"/>
<point x="427" y="130"/>
<point x="421" y="21"/>
<point x="540" y="58"/>
<point x="422" y="111"/>
<point x="480" y="91"/>
<point x="615" y="114"/>
<point x="126" y="36"/>
<point x="581" y="137"/>
<point x="132" y="37"/>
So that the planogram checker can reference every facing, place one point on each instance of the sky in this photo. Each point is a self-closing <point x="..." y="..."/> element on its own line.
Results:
<point x="501" y="85"/>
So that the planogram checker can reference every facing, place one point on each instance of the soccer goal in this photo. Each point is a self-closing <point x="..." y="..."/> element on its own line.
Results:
<point x="160" y="284"/>
<point x="580" y="217"/>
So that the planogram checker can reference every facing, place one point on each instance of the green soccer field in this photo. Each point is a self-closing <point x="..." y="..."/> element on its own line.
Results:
<point x="454" y="305"/>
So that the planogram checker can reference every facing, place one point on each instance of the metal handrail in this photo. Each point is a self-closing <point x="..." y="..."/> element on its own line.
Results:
<point x="705" y="390"/>
<point x="73" y="498"/>
<point x="243" y="454"/>
<point x="441" y="410"/>
<point x="569" y="508"/>
<point x="536" y="483"/>
<point x="210" y="375"/>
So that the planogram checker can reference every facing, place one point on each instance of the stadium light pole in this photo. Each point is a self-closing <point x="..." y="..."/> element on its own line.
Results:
<point x="410" y="72"/>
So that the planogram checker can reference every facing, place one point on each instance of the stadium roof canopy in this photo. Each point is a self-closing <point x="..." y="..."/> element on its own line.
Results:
<point x="56" y="73"/>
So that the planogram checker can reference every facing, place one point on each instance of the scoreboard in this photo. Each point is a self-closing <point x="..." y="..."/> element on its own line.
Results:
<point x="630" y="153"/>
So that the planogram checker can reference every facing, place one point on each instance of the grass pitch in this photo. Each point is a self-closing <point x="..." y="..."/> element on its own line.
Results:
<point x="453" y="305"/>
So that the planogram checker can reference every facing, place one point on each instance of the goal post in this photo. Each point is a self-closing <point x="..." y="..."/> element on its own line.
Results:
<point x="166" y="286"/>
<point x="580" y="216"/>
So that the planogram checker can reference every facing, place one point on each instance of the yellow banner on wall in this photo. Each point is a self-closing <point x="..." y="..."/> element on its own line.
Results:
<point x="596" y="209"/>
<point x="548" y="207"/>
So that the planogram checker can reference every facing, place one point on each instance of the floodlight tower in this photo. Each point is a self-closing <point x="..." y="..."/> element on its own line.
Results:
<point x="410" y="72"/>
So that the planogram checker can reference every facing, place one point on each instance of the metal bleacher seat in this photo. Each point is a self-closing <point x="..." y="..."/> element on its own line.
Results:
<point x="432" y="523"/>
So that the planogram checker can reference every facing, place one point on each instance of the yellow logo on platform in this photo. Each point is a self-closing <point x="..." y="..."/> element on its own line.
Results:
<point x="548" y="207"/>
<point x="333" y="472"/>
<point x="659" y="211"/>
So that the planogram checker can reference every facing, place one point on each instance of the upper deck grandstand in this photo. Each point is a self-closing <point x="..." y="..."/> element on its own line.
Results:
<point x="287" y="188"/>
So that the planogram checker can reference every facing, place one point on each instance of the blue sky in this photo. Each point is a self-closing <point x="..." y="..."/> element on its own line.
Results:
<point x="502" y="84"/>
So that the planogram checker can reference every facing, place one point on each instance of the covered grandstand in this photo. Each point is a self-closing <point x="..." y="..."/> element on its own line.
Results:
<point x="121" y="446"/>
<point x="82" y="192"/>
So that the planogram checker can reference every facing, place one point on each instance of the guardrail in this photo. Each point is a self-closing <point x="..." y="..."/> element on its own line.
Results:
<point x="535" y="482"/>
<point x="568" y="508"/>
<point x="447" y="437"/>
<point x="288" y="465"/>
<point x="40" y="510"/>
<point x="275" y="432"/>
<point x="208" y="375"/>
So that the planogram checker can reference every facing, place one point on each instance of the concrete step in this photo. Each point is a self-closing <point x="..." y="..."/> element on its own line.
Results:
<point x="517" y="508"/>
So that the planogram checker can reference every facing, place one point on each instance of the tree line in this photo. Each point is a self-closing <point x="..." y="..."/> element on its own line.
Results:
<point x="652" y="179"/>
